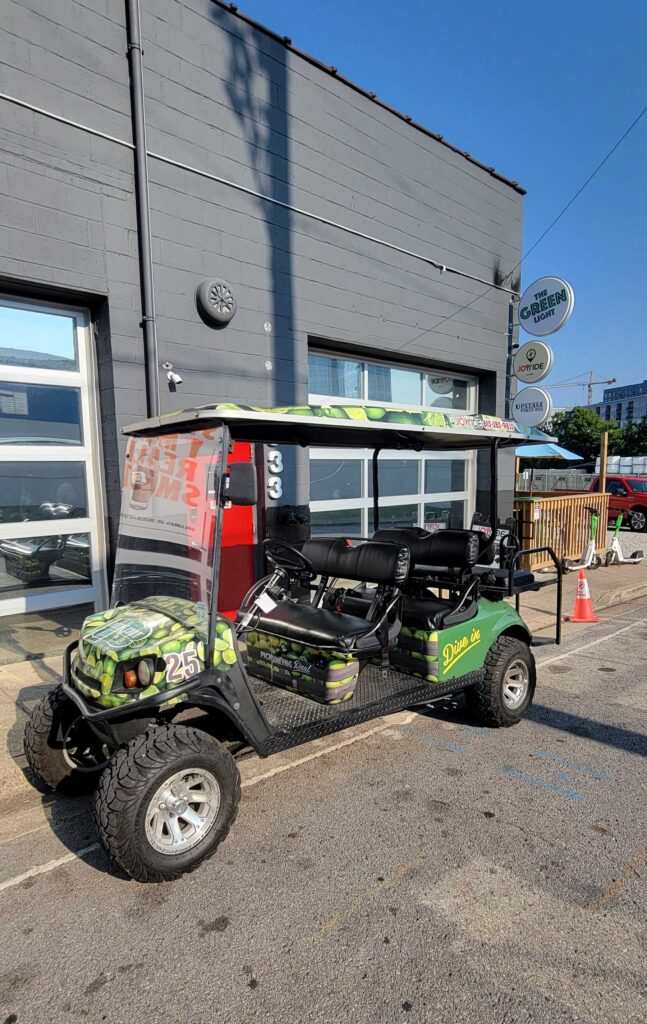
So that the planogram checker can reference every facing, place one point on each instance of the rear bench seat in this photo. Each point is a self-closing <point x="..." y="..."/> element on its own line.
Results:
<point x="450" y="552"/>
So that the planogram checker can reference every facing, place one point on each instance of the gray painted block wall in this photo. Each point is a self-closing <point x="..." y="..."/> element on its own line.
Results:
<point x="231" y="101"/>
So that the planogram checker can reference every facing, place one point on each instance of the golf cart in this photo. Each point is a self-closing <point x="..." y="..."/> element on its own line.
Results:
<point x="162" y="693"/>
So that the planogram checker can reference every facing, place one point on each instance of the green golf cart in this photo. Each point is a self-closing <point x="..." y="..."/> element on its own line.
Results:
<point x="162" y="693"/>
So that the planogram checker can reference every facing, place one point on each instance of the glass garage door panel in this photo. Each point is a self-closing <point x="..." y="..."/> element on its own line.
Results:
<point x="395" y="477"/>
<point x="332" y="479"/>
<point x="346" y="522"/>
<point x="43" y="564"/>
<point x="31" y="338"/>
<point x="442" y="475"/>
<point x="38" y="491"/>
<point x="440" y="514"/>
<point x="52" y="544"/>
<point x="425" y="489"/>
<point x="394" y="517"/>
<point x="39" y="414"/>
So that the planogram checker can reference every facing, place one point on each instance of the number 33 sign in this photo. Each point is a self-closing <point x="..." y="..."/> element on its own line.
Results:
<point x="274" y="462"/>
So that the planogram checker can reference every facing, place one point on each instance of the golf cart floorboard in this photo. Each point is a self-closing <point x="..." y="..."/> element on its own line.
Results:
<point x="294" y="719"/>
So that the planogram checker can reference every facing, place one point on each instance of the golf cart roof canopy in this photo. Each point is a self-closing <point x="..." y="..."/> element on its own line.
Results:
<point x="347" y="426"/>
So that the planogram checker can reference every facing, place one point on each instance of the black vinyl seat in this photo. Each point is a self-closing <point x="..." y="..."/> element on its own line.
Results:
<point x="384" y="564"/>
<point x="435" y="613"/>
<point x="443" y="550"/>
<point x="318" y="627"/>
<point x="452" y="552"/>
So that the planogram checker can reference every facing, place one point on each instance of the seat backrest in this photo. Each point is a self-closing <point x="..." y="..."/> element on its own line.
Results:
<point x="384" y="563"/>
<point x="453" y="549"/>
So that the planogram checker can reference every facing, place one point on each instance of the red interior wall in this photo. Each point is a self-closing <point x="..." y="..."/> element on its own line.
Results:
<point x="237" y="553"/>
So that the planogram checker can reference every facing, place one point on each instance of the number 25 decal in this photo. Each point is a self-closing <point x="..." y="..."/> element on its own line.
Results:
<point x="181" y="666"/>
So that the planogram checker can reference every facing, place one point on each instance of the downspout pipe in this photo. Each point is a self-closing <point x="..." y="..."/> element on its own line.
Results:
<point x="142" y="199"/>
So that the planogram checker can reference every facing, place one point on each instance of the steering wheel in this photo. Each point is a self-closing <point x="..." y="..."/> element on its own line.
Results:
<point x="283" y="556"/>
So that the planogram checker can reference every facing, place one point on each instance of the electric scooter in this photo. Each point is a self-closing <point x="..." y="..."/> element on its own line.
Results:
<point x="614" y="555"/>
<point x="590" y="558"/>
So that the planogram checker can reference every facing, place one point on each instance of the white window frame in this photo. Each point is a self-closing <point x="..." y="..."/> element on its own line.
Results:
<point x="84" y="378"/>
<point x="420" y="498"/>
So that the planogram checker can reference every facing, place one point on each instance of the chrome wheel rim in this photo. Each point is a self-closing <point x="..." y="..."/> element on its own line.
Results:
<point x="182" y="811"/>
<point x="638" y="520"/>
<point x="515" y="684"/>
<point x="82" y="751"/>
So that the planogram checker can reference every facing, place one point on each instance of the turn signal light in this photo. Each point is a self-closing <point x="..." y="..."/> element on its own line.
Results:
<point x="130" y="679"/>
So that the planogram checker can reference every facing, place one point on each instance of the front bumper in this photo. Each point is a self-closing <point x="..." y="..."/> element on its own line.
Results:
<point x="131" y="707"/>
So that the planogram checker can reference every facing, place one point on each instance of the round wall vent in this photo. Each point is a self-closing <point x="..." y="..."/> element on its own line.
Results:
<point x="215" y="301"/>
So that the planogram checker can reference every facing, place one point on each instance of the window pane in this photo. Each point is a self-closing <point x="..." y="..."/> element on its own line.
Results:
<point x="445" y="392"/>
<point x="395" y="517"/>
<point x="396" y="476"/>
<point x="39" y="414"/>
<point x="28" y="338"/>
<point x="386" y="384"/>
<point x="445" y="513"/>
<point x="341" y="522"/>
<point x="340" y="378"/>
<point x="42" y="564"/>
<point x="42" y="490"/>
<point x="331" y="479"/>
<point x="442" y="475"/>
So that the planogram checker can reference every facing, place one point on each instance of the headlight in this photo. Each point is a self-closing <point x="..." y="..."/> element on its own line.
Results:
<point x="144" y="672"/>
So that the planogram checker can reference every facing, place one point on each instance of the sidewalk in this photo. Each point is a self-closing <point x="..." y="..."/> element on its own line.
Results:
<point x="609" y="587"/>
<point x="22" y="684"/>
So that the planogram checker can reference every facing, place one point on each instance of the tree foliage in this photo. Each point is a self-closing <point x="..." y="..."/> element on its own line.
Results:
<point x="580" y="430"/>
<point x="634" y="438"/>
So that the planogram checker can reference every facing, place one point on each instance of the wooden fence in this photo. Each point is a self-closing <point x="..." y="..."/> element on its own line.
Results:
<point x="560" y="522"/>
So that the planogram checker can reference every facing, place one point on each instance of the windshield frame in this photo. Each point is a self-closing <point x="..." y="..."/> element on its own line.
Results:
<point x="169" y="531"/>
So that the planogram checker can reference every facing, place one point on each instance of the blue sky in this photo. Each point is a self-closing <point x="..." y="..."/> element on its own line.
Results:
<point x="542" y="92"/>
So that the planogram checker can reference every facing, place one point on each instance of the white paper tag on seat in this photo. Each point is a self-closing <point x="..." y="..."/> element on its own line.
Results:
<point x="265" y="602"/>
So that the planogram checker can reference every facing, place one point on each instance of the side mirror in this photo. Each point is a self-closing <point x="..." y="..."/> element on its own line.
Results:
<point x="242" y="488"/>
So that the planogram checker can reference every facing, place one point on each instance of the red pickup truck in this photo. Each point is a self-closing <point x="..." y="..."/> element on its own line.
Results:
<point x="627" y="494"/>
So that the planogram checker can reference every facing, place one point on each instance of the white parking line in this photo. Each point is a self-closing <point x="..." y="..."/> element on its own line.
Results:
<point x="43" y="869"/>
<point x="326" y="750"/>
<point x="51" y="865"/>
<point x="591" y="643"/>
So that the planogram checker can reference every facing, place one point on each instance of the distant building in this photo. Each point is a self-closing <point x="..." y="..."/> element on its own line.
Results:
<point x="625" y="405"/>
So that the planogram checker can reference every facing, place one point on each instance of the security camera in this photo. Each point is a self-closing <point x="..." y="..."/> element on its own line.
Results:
<point x="174" y="378"/>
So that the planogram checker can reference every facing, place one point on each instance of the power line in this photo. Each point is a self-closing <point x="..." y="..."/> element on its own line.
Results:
<point x="532" y="248"/>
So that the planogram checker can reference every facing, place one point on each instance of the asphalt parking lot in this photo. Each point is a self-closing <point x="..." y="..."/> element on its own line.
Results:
<point x="414" y="869"/>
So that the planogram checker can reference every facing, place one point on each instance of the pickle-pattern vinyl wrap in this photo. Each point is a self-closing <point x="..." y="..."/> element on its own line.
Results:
<point x="326" y="676"/>
<point x="170" y="630"/>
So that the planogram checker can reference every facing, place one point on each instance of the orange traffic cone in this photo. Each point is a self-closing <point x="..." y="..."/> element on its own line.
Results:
<point x="583" y="611"/>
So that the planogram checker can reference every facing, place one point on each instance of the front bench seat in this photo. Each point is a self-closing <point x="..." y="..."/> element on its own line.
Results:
<point x="384" y="564"/>
<point x="316" y="627"/>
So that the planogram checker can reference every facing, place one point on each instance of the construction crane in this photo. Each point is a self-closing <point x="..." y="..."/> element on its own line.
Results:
<point x="588" y="384"/>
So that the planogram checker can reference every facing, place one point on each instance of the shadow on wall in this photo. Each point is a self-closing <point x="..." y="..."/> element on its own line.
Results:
<point x="256" y="85"/>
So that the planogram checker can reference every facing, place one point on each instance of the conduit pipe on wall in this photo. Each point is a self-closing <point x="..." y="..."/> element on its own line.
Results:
<point x="142" y="199"/>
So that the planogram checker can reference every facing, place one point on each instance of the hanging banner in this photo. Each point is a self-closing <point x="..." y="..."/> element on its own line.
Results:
<point x="531" y="407"/>
<point x="532" y="362"/>
<point x="546" y="305"/>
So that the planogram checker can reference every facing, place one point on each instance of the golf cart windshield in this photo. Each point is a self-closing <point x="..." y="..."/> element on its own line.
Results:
<point x="168" y="514"/>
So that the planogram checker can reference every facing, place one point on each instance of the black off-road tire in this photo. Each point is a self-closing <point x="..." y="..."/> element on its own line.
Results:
<point x="44" y="744"/>
<point x="486" y="700"/>
<point x="133" y="776"/>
